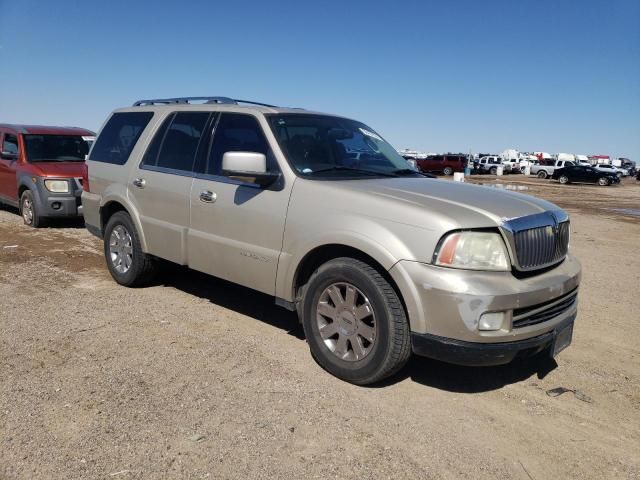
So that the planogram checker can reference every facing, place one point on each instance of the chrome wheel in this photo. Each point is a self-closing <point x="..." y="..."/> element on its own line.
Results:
<point x="603" y="181"/>
<point x="564" y="179"/>
<point x="27" y="210"/>
<point x="346" y="321"/>
<point x="120" y="249"/>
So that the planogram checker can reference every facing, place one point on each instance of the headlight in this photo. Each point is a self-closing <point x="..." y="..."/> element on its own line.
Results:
<point x="57" y="186"/>
<point x="473" y="251"/>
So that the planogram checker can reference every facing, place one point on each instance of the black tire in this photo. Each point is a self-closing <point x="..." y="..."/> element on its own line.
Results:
<point x="542" y="174"/>
<point x="563" y="179"/>
<point x="493" y="171"/>
<point x="31" y="219"/>
<point x="603" y="181"/>
<point x="392" y="346"/>
<point x="143" y="266"/>
<point x="448" y="171"/>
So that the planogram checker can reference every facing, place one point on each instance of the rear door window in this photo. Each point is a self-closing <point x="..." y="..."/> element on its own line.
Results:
<point x="176" y="143"/>
<point x="119" y="136"/>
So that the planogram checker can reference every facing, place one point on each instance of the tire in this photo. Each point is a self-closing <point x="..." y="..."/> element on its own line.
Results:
<point x="382" y="335"/>
<point x="127" y="263"/>
<point x="29" y="211"/>
<point x="493" y="171"/>
<point x="603" y="181"/>
<point x="564" y="179"/>
<point x="448" y="171"/>
<point x="542" y="174"/>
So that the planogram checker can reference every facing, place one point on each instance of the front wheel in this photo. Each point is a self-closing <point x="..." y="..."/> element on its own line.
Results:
<point x="564" y="179"/>
<point x="542" y="174"/>
<point x="127" y="263"/>
<point x="603" y="181"/>
<point x="354" y="322"/>
<point x="29" y="211"/>
<point x="493" y="171"/>
<point x="448" y="171"/>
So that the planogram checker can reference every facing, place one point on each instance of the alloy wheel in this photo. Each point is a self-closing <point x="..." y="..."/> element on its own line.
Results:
<point x="121" y="249"/>
<point x="27" y="211"/>
<point x="346" y="321"/>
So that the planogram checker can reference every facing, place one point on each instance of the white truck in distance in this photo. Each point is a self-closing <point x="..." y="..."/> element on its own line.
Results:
<point x="546" y="167"/>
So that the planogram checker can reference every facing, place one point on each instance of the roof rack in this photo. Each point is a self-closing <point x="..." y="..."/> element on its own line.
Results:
<point x="206" y="100"/>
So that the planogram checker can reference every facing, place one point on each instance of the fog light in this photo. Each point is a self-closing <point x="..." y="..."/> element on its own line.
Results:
<point x="491" y="321"/>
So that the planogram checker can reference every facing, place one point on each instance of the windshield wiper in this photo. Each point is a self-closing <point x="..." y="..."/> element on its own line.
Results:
<point x="351" y="169"/>
<point x="405" y="172"/>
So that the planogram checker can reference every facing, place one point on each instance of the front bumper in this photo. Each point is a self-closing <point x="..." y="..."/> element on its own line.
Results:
<point x="448" y="303"/>
<point x="53" y="205"/>
<point x="484" y="354"/>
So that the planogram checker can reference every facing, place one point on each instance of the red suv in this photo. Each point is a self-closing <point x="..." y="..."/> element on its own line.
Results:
<point x="41" y="170"/>
<point x="446" y="164"/>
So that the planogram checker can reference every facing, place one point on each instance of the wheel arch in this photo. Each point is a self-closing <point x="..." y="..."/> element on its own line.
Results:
<point x="324" y="253"/>
<point x="114" y="205"/>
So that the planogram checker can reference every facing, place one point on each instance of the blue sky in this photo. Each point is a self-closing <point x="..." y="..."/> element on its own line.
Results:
<point x="558" y="76"/>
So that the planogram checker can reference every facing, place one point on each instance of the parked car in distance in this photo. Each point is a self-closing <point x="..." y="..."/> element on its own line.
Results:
<point x="445" y="164"/>
<point x="373" y="255"/>
<point x="41" y="170"/>
<point x="545" y="168"/>
<point x="605" y="167"/>
<point x="584" y="174"/>
<point x="489" y="164"/>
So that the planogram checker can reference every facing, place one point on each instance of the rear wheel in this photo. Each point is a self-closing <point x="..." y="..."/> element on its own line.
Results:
<point x="603" y="181"/>
<point x="448" y="171"/>
<point x="564" y="179"/>
<point x="29" y="211"/>
<point x="542" y="174"/>
<point x="354" y="322"/>
<point x="127" y="263"/>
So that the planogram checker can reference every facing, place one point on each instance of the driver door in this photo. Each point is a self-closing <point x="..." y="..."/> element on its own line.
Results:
<point x="8" y="181"/>
<point x="236" y="228"/>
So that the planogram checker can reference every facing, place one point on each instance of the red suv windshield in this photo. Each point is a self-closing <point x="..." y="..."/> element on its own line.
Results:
<point x="56" y="148"/>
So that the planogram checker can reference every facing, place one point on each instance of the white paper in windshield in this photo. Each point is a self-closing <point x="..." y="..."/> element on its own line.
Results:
<point x="370" y="134"/>
<point x="89" y="139"/>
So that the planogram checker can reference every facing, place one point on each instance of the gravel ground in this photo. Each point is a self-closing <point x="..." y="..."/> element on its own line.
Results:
<point x="197" y="378"/>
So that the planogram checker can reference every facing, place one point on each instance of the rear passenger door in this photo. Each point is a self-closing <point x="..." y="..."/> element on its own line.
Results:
<point x="237" y="227"/>
<point x="159" y="186"/>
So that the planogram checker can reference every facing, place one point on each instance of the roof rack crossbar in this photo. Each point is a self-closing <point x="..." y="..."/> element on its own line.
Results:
<point x="183" y="100"/>
<point x="187" y="100"/>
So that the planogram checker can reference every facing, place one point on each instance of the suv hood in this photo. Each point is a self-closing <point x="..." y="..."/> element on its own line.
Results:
<point x="461" y="205"/>
<point x="58" y="169"/>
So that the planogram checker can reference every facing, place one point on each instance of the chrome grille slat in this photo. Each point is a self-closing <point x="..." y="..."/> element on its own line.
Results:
<point x="541" y="246"/>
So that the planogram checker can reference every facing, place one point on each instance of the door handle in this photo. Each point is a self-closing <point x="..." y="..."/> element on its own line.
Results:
<point x="208" y="196"/>
<point x="139" y="182"/>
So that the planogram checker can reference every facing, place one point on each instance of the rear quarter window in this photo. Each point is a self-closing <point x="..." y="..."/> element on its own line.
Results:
<point x="119" y="136"/>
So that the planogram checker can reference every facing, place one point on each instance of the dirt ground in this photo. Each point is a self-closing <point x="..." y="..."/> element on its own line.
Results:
<point x="197" y="378"/>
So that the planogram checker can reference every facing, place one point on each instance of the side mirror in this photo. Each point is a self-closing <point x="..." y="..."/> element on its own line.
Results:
<point x="9" y="155"/>
<point x="249" y="167"/>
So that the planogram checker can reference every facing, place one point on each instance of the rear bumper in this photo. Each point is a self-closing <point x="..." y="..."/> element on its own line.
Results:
<point x="483" y="354"/>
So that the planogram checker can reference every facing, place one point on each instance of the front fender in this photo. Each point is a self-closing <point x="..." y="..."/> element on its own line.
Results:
<point x="380" y="242"/>
<point x="26" y="180"/>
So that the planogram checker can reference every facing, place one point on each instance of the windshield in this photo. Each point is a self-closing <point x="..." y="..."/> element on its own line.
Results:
<point x="320" y="145"/>
<point x="56" y="148"/>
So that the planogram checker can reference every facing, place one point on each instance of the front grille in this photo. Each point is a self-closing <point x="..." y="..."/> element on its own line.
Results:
<point x="523" y="317"/>
<point x="541" y="246"/>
